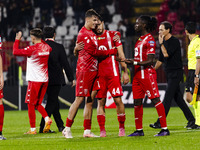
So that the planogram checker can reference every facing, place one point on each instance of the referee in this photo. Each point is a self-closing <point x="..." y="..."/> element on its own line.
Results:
<point x="193" y="52"/>
<point x="170" y="56"/>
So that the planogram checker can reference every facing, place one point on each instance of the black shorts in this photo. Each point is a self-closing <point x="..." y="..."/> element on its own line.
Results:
<point x="190" y="82"/>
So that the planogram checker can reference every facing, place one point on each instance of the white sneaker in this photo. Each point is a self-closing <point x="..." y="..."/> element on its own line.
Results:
<point x="2" y="138"/>
<point x="67" y="133"/>
<point x="88" y="133"/>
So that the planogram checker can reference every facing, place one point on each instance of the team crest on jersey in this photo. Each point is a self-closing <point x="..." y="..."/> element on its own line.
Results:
<point x="139" y="39"/>
<point x="100" y="38"/>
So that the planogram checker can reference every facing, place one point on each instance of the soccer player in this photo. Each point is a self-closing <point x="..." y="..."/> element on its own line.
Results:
<point x="193" y="70"/>
<point x="86" y="73"/>
<point x="36" y="75"/>
<point x="109" y="78"/>
<point x="144" y="80"/>
<point x="1" y="96"/>
<point x="109" y="75"/>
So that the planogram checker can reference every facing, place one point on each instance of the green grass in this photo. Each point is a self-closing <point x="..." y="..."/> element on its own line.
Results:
<point x="16" y="123"/>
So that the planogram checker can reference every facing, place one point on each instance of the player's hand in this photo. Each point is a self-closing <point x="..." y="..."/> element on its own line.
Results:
<point x="125" y="78"/>
<point x="73" y="83"/>
<point x="116" y="38"/>
<point x="18" y="35"/>
<point x="1" y="82"/>
<point x="119" y="59"/>
<point x="79" y="46"/>
<point x="196" y="81"/>
<point x="129" y="61"/>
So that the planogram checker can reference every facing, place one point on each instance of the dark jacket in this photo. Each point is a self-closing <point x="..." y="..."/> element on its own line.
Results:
<point x="57" y="62"/>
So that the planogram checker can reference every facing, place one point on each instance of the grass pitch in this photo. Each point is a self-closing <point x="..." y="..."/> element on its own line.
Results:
<point x="16" y="123"/>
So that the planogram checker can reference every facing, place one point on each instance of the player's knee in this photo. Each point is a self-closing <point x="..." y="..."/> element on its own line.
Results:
<point x="137" y="102"/>
<point x="155" y="100"/>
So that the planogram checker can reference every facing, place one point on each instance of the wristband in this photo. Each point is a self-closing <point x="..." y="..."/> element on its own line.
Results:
<point x="135" y="63"/>
<point x="196" y="76"/>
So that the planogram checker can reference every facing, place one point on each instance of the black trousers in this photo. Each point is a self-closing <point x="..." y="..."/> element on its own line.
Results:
<point x="52" y="106"/>
<point x="173" y="91"/>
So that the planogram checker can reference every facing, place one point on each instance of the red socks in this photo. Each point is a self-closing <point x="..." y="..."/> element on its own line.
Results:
<point x="42" y="111"/>
<point x="69" y="122"/>
<point x="101" y="120"/>
<point x="161" y="114"/>
<point x="138" y="116"/>
<point x="121" y="118"/>
<point x="1" y="117"/>
<point x="31" y="114"/>
<point x="87" y="124"/>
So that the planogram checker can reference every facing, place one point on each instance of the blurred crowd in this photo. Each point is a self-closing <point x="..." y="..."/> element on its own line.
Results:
<point x="65" y="15"/>
<point x="179" y="12"/>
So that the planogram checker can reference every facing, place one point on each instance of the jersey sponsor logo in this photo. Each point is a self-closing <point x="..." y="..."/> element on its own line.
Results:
<point x="43" y="53"/>
<point x="102" y="47"/>
<point x="101" y="38"/>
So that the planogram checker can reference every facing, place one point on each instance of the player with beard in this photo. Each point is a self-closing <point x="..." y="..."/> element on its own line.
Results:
<point x="86" y="74"/>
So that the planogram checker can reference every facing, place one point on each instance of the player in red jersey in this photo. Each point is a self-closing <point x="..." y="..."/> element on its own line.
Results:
<point x="144" y="80"/>
<point x="1" y="96"/>
<point x="109" y="76"/>
<point x="36" y="75"/>
<point x="86" y="73"/>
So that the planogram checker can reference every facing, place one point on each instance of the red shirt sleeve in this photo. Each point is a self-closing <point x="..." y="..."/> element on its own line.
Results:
<point x="151" y="46"/>
<point x="22" y="52"/>
<point x="116" y="43"/>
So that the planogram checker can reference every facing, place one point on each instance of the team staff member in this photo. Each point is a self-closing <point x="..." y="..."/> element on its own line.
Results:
<point x="193" y="48"/>
<point x="170" y="56"/>
<point x="145" y="78"/>
<point x="36" y="75"/>
<point x="1" y="96"/>
<point x="56" y="63"/>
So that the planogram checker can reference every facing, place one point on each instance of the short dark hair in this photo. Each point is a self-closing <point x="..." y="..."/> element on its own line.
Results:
<point x="191" y="27"/>
<point x="151" y="22"/>
<point x="49" y="32"/>
<point x="167" y="25"/>
<point x="37" y="32"/>
<point x="90" y="13"/>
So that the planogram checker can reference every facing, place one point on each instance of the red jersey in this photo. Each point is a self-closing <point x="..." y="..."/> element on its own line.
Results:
<point x="86" y="61"/>
<point x="108" y="66"/>
<point x="37" y="61"/>
<point x="144" y="46"/>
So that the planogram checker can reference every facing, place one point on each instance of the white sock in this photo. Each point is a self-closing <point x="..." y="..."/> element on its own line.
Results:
<point x="33" y="129"/>
<point x="139" y="129"/>
<point x="87" y="131"/>
<point x="46" y="118"/>
<point x="165" y="128"/>
<point x="67" y="128"/>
